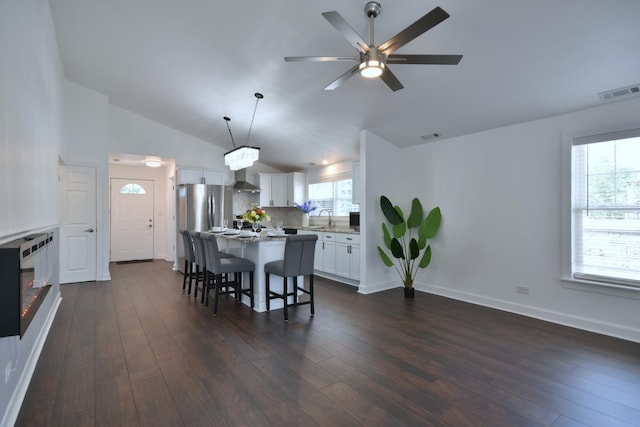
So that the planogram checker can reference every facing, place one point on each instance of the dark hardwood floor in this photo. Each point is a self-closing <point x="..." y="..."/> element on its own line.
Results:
<point x="137" y="351"/>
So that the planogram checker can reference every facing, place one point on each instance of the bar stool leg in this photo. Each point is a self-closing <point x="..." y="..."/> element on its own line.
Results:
<point x="285" y="291"/>
<point x="251" y="288"/>
<point x="216" y="283"/>
<point x="295" y="290"/>
<point x="311" y="293"/>
<point x="186" y="273"/>
<point x="268" y="292"/>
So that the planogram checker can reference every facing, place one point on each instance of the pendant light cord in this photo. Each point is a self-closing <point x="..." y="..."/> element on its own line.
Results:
<point x="227" y="119"/>
<point x="258" y="96"/>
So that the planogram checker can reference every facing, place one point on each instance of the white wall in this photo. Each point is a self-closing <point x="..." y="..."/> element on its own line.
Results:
<point x="29" y="117"/>
<point x="130" y="133"/>
<point x="86" y="143"/>
<point x="330" y="172"/>
<point x="30" y="133"/>
<point x="500" y="194"/>
<point x="380" y="174"/>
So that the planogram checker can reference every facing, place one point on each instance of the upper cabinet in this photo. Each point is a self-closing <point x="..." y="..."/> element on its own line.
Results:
<point x="198" y="176"/>
<point x="282" y="189"/>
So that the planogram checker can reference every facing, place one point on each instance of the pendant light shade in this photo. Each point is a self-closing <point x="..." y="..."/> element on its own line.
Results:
<point x="243" y="156"/>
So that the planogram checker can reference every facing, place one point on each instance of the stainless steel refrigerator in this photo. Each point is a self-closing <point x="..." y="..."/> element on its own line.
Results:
<point x="200" y="207"/>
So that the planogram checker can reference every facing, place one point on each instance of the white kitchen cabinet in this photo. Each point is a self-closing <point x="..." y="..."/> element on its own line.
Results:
<point x="347" y="254"/>
<point x="318" y="259"/>
<point x="325" y="256"/>
<point x="199" y="176"/>
<point x="337" y="256"/>
<point x="328" y="253"/>
<point x="213" y="178"/>
<point x="281" y="189"/>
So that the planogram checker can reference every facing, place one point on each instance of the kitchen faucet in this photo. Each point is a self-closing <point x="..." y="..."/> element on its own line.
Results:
<point x="327" y="211"/>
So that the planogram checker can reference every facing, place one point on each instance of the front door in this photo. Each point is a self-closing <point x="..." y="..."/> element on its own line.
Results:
<point x="131" y="219"/>
<point x="78" y="241"/>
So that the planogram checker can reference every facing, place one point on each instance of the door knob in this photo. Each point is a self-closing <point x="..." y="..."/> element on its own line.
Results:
<point x="89" y="230"/>
<point x="150" y="226"/>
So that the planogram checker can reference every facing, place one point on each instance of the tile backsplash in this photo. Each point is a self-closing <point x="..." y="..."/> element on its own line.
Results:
<point x="290" y="216"/>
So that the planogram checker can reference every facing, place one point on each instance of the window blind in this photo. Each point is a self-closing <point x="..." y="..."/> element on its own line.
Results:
<point x="606" y="208"/>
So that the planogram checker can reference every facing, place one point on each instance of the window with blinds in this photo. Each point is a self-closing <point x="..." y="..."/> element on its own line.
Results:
<point x="333" y="195"/>
<point x="606" y="208"/>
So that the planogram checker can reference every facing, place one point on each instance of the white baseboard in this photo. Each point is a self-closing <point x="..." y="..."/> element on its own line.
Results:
<point x="369" y="288"/>
<point x="13" y="408"/>
<point x="335" y="278"/>
<point x="579" y="322"/>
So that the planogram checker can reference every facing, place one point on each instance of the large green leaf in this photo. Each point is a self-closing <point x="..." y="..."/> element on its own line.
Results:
<point x="426" y="258"/>
<point x="422" y="241"/>
<point x="386" y="236"/>
<point x="385" y="258"/>
<point x="396" y="249"/>
<point x="431" y="224"/>
<point x="389" y="211"/>
<point x="413" y="248"/>
<point x="399" y="229"/>
<point x="415" y="217"/>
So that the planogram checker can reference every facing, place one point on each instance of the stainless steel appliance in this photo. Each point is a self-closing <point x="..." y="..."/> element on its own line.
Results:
<point x="200" y="207"/>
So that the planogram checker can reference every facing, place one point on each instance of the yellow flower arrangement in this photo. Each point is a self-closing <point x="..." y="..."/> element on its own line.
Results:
<point x="255" y="213"/>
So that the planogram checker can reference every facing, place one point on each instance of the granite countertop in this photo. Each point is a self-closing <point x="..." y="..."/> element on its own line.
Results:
<point x="261" y="237"/>
<point x="324" y="229"/>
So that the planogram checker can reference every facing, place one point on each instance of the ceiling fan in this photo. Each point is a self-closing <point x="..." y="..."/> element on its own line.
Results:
<point x="372" y="60"/>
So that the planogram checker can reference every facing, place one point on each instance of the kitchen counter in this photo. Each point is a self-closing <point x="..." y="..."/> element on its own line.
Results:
<point x="260" y="250"/>
<point x="324" y="229"/>
<point x="255" y="237"/>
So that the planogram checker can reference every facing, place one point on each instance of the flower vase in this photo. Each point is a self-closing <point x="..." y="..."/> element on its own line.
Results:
<point x="305" y="219"/>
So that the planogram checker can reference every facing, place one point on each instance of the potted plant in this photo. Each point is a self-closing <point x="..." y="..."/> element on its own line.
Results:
<point x="305" y="208"/>
<point x="407" y="240"/>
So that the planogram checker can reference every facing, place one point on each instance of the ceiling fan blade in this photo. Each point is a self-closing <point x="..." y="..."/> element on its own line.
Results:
<point x="337" y="82"/>
<point x="428" y="21"/>
<point x="391" y="80"/>
<point x="346" y="30"/>
<point x="424" y="59"/>
<point x="320" y="58"/>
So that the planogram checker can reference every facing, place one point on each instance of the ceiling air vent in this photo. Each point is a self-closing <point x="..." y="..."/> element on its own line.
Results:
<point x="623" y="92"/>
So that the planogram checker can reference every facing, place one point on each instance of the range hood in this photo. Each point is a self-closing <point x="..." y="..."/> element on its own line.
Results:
<point x="241" y="183"/>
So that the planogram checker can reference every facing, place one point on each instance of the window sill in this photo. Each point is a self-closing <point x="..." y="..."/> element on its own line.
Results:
<point x="601" y="288"/>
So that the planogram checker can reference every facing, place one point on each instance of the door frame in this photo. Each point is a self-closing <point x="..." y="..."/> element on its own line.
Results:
<point x="91" y="246"/>
<point x="102" y="217"/>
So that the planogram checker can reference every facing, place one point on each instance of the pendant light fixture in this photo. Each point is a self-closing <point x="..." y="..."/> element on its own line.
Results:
<point x="243" y="156"/>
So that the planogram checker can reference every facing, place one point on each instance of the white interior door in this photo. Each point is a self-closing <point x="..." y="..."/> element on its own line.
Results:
<point x="131" y="219"/>
<point x="78" y="242"/>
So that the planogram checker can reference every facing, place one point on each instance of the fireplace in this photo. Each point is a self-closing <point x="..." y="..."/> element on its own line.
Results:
<point x="27" y="266"/>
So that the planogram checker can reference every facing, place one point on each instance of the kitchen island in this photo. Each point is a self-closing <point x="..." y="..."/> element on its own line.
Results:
<point x="260" y="250"/>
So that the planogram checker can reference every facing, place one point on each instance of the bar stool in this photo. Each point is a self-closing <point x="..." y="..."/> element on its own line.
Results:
<point x="200" y="260"/>
<point x="299" y="251"/>
<point x="221" y="267"/>
<point x="189" y="260"/>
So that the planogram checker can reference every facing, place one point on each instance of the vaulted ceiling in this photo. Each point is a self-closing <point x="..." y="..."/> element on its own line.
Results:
<point x="188" y="63"/>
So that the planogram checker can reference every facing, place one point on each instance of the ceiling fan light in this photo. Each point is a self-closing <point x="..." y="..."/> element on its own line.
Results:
<point x="371" y="68"/>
